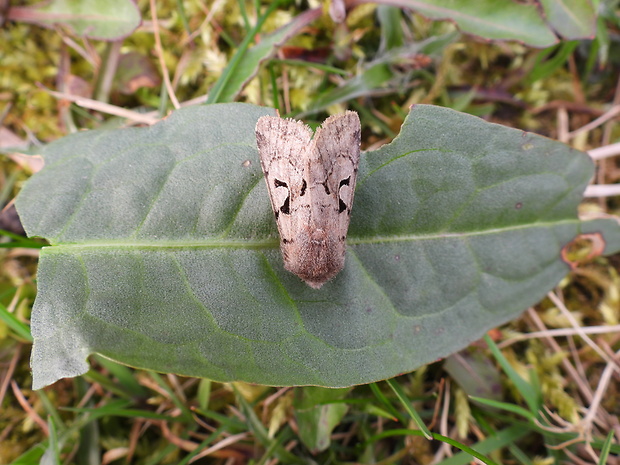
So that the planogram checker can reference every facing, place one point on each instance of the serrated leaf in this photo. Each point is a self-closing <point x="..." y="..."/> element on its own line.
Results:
<point x="166" y="253"/>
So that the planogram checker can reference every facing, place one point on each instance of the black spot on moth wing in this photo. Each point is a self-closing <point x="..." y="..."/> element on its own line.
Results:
<point x="326" y="188"/>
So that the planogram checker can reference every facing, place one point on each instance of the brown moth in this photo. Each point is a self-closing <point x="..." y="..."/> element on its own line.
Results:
<point x="311" y="182"/>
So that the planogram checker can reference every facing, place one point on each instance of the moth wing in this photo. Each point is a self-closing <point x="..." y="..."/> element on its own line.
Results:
<point x="337" y="144"/>
<point x="282" y="146"/>
<point x="281" y="141"/>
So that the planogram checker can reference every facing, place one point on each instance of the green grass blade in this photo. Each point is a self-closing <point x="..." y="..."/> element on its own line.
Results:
<point x="21" y="329"/>
<point x="606" y="448"/>
<point x="217" y="95"/>
<point x="505" y="406"/>
<point x="52" y="454"/>
<point x="124" y="375"/>
<point x="530" y="393"/>
<point x="385" y="401"/>
<point x="398" y="390"/>
<point x="467" y="452"/>
<point x="501" y="439"/>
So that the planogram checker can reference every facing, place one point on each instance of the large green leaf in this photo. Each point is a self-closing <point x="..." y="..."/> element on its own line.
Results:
<point x="165" y="251"/>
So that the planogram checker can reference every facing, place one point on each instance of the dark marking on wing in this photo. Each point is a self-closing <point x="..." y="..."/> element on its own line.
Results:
<point x="326" y="187"/>
<point x="286" y="206"/>
<point x="341" y="205"/>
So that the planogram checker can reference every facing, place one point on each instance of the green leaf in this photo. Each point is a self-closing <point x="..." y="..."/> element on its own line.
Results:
<point x="543" y="69"/>
<point x="475" y="373"/>
<point x="246" y="61"/>
<point x="407" y="404"/>
<point x="606" y="448"/>
<point x="109" y="20"/>
<point x="496" y="442"/>
<point x="372" y="78"/>
<point x="390" y="20"/>
<point x="13" y="322"/>
<point x="572" y="19"/>
<point x="530" y="392"/>
<point x="317" y="416"/>
<point x="491" y="19"/>
<point x="165" y="250"/>
<point x="52" y="454"/>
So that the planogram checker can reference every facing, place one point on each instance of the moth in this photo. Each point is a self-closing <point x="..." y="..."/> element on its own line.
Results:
<point x="311" y="182"/>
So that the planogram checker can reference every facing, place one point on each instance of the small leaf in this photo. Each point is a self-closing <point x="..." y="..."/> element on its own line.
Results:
<point x="246" y="62"/>
<point x="475" y="374"/>
<point x="572" y="19"/>
<point x="317" y="415"/>
<point x="135" y="71"/>
<point x="108" y="20"/>
<point x="165" y="251"/>
<point x="491" y="19"/>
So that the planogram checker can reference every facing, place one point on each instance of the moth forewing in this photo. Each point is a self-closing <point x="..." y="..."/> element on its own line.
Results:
<point x="311" y="185"/>
<point x="281" y="145"/>
<point x="342" y="134"/>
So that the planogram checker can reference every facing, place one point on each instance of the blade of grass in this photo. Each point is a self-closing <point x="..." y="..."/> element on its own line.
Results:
<point x="94" y="377"/>
<point x="310" y="64"/>
<point x="89" y="450"/>
<point x="274" y="87"/>
<point x="20" y="241"/>
<point x="163" y="455"/>
<point x="233" y="425"/>
<point x="98" y="412"/>
<point x="204" y="393"/>
<point x="390" y="21"/>
<point x="497" y="441"/>
<point x="244" y="14"/>
<point x="467" y="451"/>
<point x="183" y="17"/>
<point x="219" y="92"/>
<point x="384" y="400"/>
<point x="52" y="411"/>
<point x="254" y="425"/>
<point x="370" y="79"/>
<point x="20" y="329"/>
<point x="505" y="406"/>
<point x="124" y="375"/>
<point x="602" y="460"/>
<point x="529" y="392"/>
<point x="542" y="69"/>
<point x="369" y="118"/>
<point x="203" y="445"/>
<point x="52" y="454"/>
<point x="398" y="390"/>
<point x="186" y="412"/>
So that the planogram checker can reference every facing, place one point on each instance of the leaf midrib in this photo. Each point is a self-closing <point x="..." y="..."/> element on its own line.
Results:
<point x="273" y="241"/>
